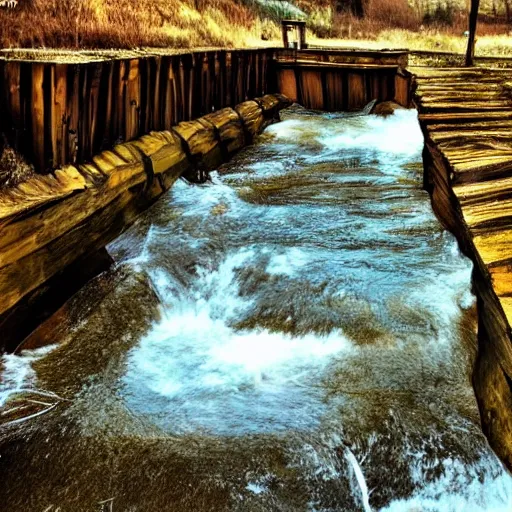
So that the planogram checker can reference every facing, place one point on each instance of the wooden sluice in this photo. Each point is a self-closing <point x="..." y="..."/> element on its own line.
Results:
<point x="466" y="118"/>
<point x="83" y="126"/>
<point x="50" y="221"/>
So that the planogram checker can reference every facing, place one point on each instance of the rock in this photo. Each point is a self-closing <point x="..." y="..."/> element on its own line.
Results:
<point x="386" y="108"/>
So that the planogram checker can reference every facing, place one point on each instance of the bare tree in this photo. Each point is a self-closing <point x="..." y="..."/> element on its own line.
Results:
<point x="473" y="17"/>
<point x="507" y="11"/>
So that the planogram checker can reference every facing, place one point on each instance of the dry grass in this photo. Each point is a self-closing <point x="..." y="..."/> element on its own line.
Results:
<point x="132" y="24"/>
<point x="129" y="24"/>
<point x="13" y="167"/>
<point x="426" y="40"/>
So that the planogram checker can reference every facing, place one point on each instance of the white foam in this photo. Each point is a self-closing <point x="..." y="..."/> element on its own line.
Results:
<point x="288" y="130"/>
<point x="398" y="134"/>
<point x="482" y="487"/>
<point x="18" y="373"/>
<point x="194" y="356"/>
<point x="288" y="262"/>
<point x="447" y="292"/>
<point x="256" y="488"/>
<point x="359" y="477"/>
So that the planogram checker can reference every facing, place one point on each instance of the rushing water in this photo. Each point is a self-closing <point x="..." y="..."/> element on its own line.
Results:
<point x="296" y="335"/>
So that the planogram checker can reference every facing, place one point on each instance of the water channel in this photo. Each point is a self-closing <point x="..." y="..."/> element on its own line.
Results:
<point x="297" y="334"/>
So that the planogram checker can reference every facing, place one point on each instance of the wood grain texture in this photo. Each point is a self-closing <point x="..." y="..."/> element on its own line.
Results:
<point x="50" y="220"/>
<point x="67" y="113"/>
<point x="465" y="115"/>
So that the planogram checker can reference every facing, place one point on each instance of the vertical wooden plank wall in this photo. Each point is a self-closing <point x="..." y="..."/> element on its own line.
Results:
<point x="337" y="79"/>
<point x="64" y="113"/>
<point x="342" y="89"/>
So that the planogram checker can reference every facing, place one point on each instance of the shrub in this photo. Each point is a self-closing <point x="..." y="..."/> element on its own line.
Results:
<point x="320" y="21"/>
<point x="443" y="15"/>
<point x="277" y="10"/>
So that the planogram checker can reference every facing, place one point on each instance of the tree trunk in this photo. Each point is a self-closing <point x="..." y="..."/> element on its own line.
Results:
<point x="473" y="16"/>
<point x="358" y="8"/>
<point x="507" y="10"/>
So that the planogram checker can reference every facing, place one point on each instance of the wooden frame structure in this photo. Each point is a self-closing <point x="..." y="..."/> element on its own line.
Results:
<point x="300" y="27"/>
<point x="473" y="18"/>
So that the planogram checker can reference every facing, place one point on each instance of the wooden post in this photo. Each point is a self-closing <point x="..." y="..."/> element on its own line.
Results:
<point x="73" y="109"/>
<point x="13" y="110"/>
<point x="59" y="117"/>
<point x="302" y="36"/>
<point x="109" y="107"/>
<point x="66" y="113"/>
<point x="297" y="25"/>
<point x="170" y="91"/>
<point x="92" y="107"/>
<point x="37" y="101"/>
<point x="285" y="35"/>
<point x="122" y="80"/>
<point x="132" y="105"/>
<point x="473" y="17"/>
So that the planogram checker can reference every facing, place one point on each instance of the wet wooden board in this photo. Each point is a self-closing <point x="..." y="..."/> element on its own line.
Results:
<point x="343" y="80"/>
<point x="477" y="149"/>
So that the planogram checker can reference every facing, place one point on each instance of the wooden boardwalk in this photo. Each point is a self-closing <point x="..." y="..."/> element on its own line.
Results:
<point x="466" y="118"/>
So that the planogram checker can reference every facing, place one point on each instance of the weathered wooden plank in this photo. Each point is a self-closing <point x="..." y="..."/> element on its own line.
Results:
<point x="12" y="88"/>
<point x="402" y="90"/>
<point x="202" y="142"/>
<point x="120" y="81"/>
<point x="229" y="127"/>
<point x="470" y="137"/>
<point x="471" y="184"/>
<point x="334" y="91"/>
<point x="49" y="221"/>
<point x="463" y="117"/>
<point x="94" y="124"/>
<point x="357" y="97"/>
<point x="287" y="83"/>
<point x="39" y="190"/>
<point x="488" y="215"/>
<point x="92" y="106"/>
<point x="252" y="117"/>
<point x="495" y="246"/>
<point x="311" y="93"/>
<point x="479" y="191"/>
<point x="59" y="114"/>
<point x="501" y="276"/>
<point x="28" y="234"/>
<point x="132" y="100"/>
<point x="38" y="118"/>
<point x="305" y="65"/>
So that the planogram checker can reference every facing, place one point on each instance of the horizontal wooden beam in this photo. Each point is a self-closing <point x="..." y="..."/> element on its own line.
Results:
<point x="51" y="220"/>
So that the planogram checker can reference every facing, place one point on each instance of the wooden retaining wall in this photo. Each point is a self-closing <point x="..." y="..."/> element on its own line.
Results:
<point x="51" y="220"/>
<point x="83" y="126"/>
<point x="58" y="113"/>
<point x="65" y="113"/>
<point x="343" y="80"/>
<point x="466" y="118"/>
